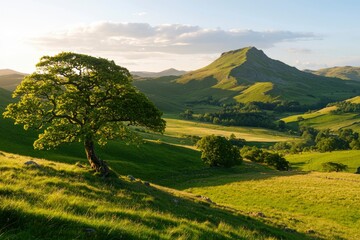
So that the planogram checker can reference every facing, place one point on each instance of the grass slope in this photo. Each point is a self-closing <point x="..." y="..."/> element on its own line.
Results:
<point x="323" y="118"/>
<point x="311" y="161"/>
<point x="10" y="81"/>
<point x="324" y="204"/>
<point x="245" y="75"/>
<point x="345" y="73"/>
<point x="64" y="201"/>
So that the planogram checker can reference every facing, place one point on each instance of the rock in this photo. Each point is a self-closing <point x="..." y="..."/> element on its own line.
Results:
<point x="310" y="231"/>
<point x="146" y="183"/>
<point x="358" y="170"/>
<point x="258" y="214"/>
<point x="206" y="199"/>
<point x="131" y="178"/>
<point x="289" y="229"/>
<point x="31" y="163"/>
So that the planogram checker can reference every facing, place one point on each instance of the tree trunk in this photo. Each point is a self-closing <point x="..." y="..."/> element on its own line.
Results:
<point x="96" y="163"/>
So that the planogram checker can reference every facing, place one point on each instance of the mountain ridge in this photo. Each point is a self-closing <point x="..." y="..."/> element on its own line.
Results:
<point x="166" y="72"/>
<point x="344" y="72"/>
<point x="247" y="75"/>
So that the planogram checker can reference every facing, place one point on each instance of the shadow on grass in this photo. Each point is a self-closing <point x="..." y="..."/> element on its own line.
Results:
<point x="162" y="212"/>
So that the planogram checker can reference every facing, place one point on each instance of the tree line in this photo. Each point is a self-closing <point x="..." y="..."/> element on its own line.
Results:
<point x="321" y="140"/>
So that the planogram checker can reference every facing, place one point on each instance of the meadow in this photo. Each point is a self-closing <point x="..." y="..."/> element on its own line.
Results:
<point x="250" y="201"/>
<point x="66" y="201"/>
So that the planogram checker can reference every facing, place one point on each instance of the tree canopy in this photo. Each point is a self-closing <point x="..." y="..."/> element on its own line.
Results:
<point x="217" y="151"/>
<point x="74" y="97"/>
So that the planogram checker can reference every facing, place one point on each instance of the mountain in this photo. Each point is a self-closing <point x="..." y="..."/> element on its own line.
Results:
<point x="9" y="72"/>
<point x="247" y="75"/>
<point x="9" y="79"/>
<point x="345" y="73"/>
<point x="167" y="72"/>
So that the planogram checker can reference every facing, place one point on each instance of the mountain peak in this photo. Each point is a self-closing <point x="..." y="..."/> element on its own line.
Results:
<point x="241" y="50"/>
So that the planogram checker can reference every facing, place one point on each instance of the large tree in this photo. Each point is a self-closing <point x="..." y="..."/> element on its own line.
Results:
<point x="74" y="97"/>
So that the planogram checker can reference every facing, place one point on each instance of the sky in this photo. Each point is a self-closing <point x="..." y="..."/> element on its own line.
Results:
<point x="154" y="35"/>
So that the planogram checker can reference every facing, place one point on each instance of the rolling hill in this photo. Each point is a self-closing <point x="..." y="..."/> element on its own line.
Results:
<point x="325" y="118"/>
<point x="167" y="72"/>
<point x="9" y="79"/>
<point x="345" y="73"/>
<point x="247" y="75"/>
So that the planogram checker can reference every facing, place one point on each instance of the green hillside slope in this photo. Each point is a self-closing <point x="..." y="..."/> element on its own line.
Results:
<point x="325" y="118"/>
<point x="247" y="75"/>
<point x="62" y="201"/>
<point x="345" y="73"/>
<point x="9" y="79"/>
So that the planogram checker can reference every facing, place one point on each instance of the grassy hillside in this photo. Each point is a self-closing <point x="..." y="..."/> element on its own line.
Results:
<point x="324" y="118"/>
<point x="311" y="161"/>
<point x="10" y="79"/>
<point x="252" y="201"/>
<point x="245" y="75"/>
<point x="63" y="201"/>
<point x="345" y="73"/>
<point x="324" y="204"/>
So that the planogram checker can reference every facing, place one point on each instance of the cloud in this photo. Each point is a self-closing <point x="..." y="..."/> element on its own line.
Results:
<point x="140" y="14"/>
<point x="169" y="38"/>
<point x="300" y="50"/>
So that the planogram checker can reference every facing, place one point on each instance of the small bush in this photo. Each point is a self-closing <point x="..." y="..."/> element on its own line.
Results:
<point x="334" y="167"/>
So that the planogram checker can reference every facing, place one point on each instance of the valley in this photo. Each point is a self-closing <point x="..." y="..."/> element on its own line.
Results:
<point x="160" y="189"/>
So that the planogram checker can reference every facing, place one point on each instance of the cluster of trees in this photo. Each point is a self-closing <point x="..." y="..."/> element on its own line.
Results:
<point x="239" y="114"/>
<point x="258" y="155"/>
<point x="334" y="167"/>
<point x="346" y="107"/>
<point x="209" y="100"/>
<point x="321" y="140"/>
<point x="217" y="151"/>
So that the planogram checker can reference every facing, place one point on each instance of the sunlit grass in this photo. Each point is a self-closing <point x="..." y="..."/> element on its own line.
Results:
<point x="325" y="204"/>
<point x="62" y="201"/>
<point x="311" y="161"/>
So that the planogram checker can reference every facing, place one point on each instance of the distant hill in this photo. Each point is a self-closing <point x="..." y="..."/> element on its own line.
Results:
<point x="9" y="72"/>
<point x="9" y="79"/>
<point x="345" y="73"/>
<point x="247" y="75"/>
<point x="167" y="72"/>
<point x="325" y="118"/>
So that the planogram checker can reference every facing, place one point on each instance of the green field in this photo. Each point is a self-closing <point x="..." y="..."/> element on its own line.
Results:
<point x="311" y="161"/>
<point x="323" y="119"/>
<point x="176" y="127"/>
<point x="65" y="201"/>
<point x="326" y="204"/>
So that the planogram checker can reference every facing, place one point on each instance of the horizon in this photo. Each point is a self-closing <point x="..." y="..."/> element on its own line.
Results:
<point x="184" y="35"/>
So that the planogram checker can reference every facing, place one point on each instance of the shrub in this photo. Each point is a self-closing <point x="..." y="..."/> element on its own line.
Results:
<point x="217" y="151"/>
<point x="276" y="160"/>
<point x="334" y="167"/>
<point x="253" y="154"/>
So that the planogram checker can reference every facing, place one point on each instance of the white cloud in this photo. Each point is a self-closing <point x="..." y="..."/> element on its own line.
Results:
<point x="140" y="14"/>
<point x="170" y="38"/>
<point x="300" y="50"/>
